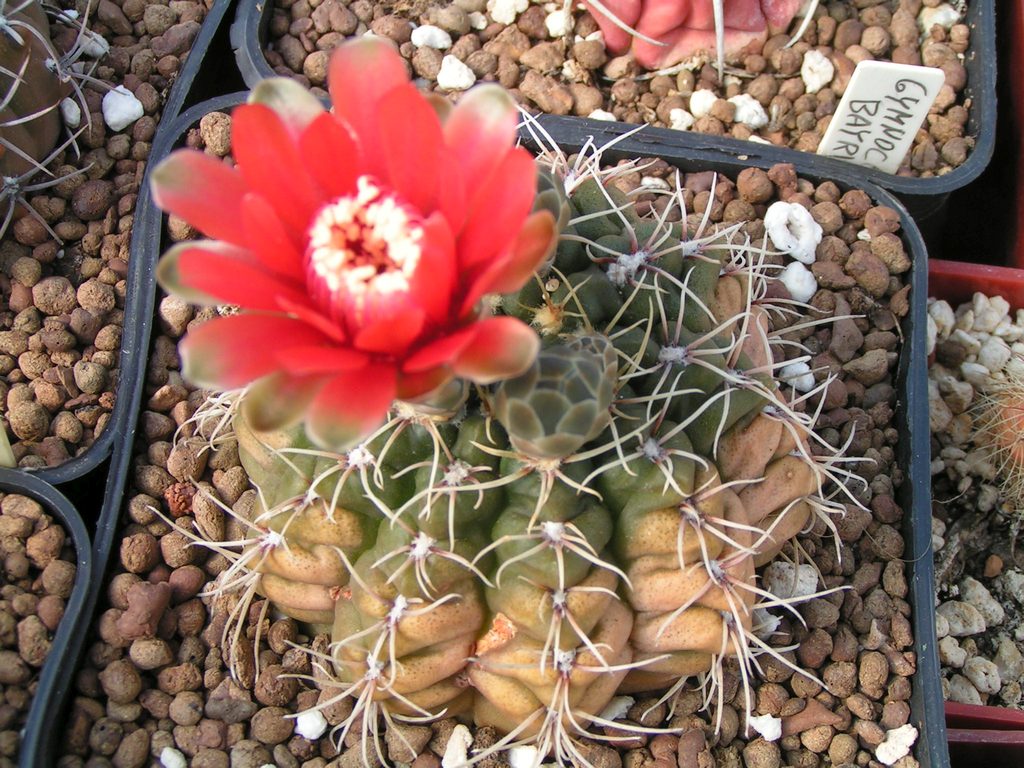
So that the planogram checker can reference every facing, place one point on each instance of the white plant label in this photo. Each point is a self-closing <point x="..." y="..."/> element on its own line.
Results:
<point x="883" y="107"/>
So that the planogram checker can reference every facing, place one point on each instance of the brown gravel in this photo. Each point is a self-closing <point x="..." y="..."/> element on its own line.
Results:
<point x="858" y="641"/>
<point x="32" y="545"/>
<point x="62" y="304"/>
<point x="573" y="74"/>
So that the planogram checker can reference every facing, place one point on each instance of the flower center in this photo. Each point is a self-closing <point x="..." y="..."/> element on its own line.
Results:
<point x="362" y="246"/>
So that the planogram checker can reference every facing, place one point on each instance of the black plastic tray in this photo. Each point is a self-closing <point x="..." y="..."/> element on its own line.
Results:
<point x="138" y="314"/>
<point x="58" y="669"/>
<point x="925" y="199"/>
<point x="911" y="418"/>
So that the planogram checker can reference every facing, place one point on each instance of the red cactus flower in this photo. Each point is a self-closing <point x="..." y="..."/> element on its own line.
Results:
<point x="686" y="28"/>
<point x="358" y="244"/>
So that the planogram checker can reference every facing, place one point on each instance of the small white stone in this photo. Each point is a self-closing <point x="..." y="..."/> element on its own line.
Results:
<point x="798" y="375"/>
<point x="1008" y="660"/>
<point x="942" y="314"/>
<point x="524" y="756"/>
<point x="71" y="112"/>
<point x="121" y="108"/>
<point x="558" y="23"/>
<point x="941" y="625"/>
<point x="961" y="690"/>
<point x="950" y="652"/>
<point x="975" y="374"/>
<point x="988" y="498"/>
<point x="944" y="15"/>
<point x="799" y="281"/>
<point x="969" y="341"/>
<point x="983" y="674"/>
<point x="816" y="71"/>
<point x="994" y="354"/>
<point x="748" y="111"/>
<point x="757" y="139"/>
<point x="454" y="75"/>
<point x="94" y="45"/>
<point x="765" y="623"/>
<point x="896" y="744"/>
<point x="617" y="708"/>
<point x="864" y="236"/>
<point x="793" y="230"/>
<point x="785" y="580"/>
<point x="172" y="758"/>
<point x="457" y="751"/>
<point x="680" y="119"/>
<point x="505" y="11"/>
<point x="477" y="20"/>
<point x="931" y="336"/>
<point x="596" y="36"/>
<point x="311" y="724"/>
<point x="429" y="36"/>
<point x="701" y="101"/>
<point x="964" y="619"/>
<point x="654" y="182"/>
<point x="600" y="114"/>
<point x="989" y="311"/>
<point x="975" y="593"/>
<point x="769" y="726"/>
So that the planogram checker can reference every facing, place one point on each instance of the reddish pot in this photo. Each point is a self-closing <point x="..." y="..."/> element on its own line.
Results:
<point x="978" y="735"/>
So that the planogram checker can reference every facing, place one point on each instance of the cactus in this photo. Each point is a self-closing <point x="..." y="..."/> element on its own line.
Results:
<point x="520" y="554"/>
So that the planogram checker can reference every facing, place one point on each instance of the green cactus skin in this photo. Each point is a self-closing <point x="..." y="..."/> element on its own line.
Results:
<point x="589" y="528"/>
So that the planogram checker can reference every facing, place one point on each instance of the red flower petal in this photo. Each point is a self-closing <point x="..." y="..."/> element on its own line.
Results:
<point x="308" y="314"/>
<point x="536" y="240"/>
<point x="433" y="281"/>
<point x="293" y="103"/>
<point x="390" y="327"/>
<point x="411" y="141"/>
<point x="481" y="130"/>
<point x="230" y="352"/>
<point x="267" y="238"/>
<point x="318" y="359"/>
<point x="227" y="275"/>
<point x="359" y="74"/>
<point x="414" y="385"/>
<point x="501" y="347"/>
<point x="451" y="195"/>
<point x="331" y="156"/>
<point x="351" y="406"/>
<point x="499" y="210"/>
<point x="271" y="165"/>
<point x="279" y="400"/>
<point x="440" y="352"/>
<point x="203" y="191"/>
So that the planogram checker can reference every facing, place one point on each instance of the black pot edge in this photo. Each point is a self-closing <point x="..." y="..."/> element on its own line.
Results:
<point x="922" y="197"/>
<point x="135" y="334"/>
<point x="58" y="669"/>
<point x="914" y="495"/>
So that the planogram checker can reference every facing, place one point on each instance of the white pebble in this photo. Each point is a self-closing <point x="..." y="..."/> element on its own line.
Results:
<point x="931" y="336"/>
<point x="765" y="623"/>
<point x="942" y="314"/>
<point x="680" y="119"/>
<point x="975" y="593"/>
<point x="524" y="756"/>
<point x="1012" y="583"/>
<point x="941" y="625"/>
<point x="988" y="497"/>
<point x="429" y="36"/>
<point x="798" y="376"/>
<point x="457" y="751"/>
<point x="121" y="108"/>
<point x="311" y="724"/>
<point x="769" y="726"/>
<point x="864" y="236"/>
<point x="975" y="374"/>
<point x="785" y="580"/>
<point x="454" y="75"/>
<point x="477" y="20"/>
<point x="988" y="312"/>
<point x="1008" y="660"/>
<point x="962" y="691"/>
<point x="701" y="101"/>
<point x="71" y="112"/>
<point x="172" y="758"/>
<point x="505" y="11"/>
<point x="617" y="708"/>
<point x="950" y="652"/>
<point x="799" y="281"/>
<point x="816" y="71"/>
<point x="896" y="744"/>
<point x="944" y="15"/>
<point x="600" y="114"/>
<point x="964" y="619"/>
<point x="558" y="23"/>
<point x="793" y="230"/>
<point x="749" y="111"/>
<point x="93" y="45"/>
<point x="757" y="139"/>
<point x="969" y="341"/>
<point x="983" y="674"/>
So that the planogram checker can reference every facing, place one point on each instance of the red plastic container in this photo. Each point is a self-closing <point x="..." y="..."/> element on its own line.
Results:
<point x="982" y="737"/>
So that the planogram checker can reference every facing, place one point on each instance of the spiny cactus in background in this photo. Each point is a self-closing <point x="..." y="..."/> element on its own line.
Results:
<point x="519" y="554"/>
<point x="35" y="80"/>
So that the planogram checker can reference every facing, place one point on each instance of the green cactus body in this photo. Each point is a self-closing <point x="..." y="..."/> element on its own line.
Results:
<point x="591" y="527"/>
